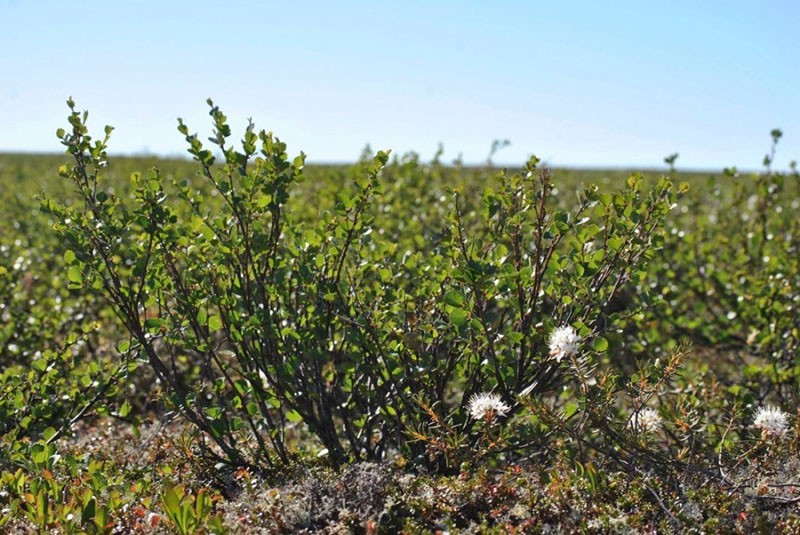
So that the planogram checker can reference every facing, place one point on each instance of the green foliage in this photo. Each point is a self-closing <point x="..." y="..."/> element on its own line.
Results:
<point x="730" y="279"/>
<point x="254" y="318"/>
<point x="49" y="500"/>
<point x="55" y="367"/>
<point x="54" y="391"/>
<point x="446" y="319"/>
<point x="191" y="513"/>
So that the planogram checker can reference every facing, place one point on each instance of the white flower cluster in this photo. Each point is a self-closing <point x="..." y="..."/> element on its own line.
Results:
<point x="487" y="407"/>
<point x="772" y="422"/>
<point x="646" y="421"/>
<point x="563" y="342"/>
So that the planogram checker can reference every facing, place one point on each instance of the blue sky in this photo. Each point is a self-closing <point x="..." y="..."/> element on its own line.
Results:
<point x="578" y="83"/>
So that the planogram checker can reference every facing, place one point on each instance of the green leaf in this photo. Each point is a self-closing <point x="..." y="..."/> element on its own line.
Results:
<point x="172" y="499"/>
<point x="459" y="317"/>
<point x="89" y="510"/>
<point x="74" y="274"/>
<point x="454" y="298"/>
<point x="600" y="344"/>
<point x="615" y="243"/>
<point x="214" y="323"/>
<point x="263" y="200"/>
<point x="570" y="408"/>
<point x="39" y="454"/>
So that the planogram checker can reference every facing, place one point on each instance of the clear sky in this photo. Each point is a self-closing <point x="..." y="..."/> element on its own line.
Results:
<point x="578" y="83"/>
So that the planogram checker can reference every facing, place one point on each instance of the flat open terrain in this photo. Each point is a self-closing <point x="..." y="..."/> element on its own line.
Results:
<point x="394" y="345"/>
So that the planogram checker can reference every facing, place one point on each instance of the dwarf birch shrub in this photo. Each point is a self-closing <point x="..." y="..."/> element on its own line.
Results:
<point x="256" y="320"/>
<point x="247" y="319"/>
<point x="54" y="369"/>
<point x="730" y="279"/>
<point x="530" y="295"/>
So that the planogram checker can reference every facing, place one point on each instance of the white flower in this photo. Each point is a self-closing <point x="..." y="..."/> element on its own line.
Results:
<point x="772" y="421"/>
<point x="487" y="406"/>
<point x="563" y="342"/>
<point x="646" y="421"/>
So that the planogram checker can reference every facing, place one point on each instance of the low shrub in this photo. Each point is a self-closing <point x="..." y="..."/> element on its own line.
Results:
<point x="254" y="320"/>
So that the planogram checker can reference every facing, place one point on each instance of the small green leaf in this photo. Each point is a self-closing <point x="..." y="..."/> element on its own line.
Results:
<point x="263" y="200"/>
<point x="615" y="243"/>
<point x="600" y="344"/>
<point x="214" y="323"/>
<point x="74" y="274"/>
<point x="458" y="316"/>
<point x="39" y="454"/>
<point x="454" y="298"/>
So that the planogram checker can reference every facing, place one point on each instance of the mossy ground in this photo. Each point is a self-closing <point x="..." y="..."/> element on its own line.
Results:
<point x="523" y="497"/>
